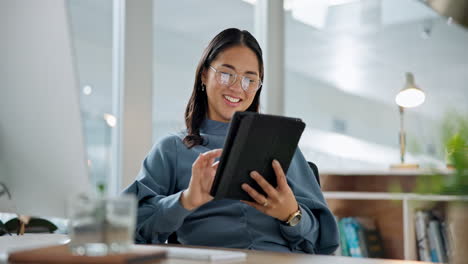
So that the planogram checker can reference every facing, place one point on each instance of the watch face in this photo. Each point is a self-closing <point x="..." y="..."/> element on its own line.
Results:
<point x="295" y="220"/>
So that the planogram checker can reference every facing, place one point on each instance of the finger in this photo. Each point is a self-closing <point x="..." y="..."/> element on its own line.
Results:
<point x="206" y="159"/>
<point x="215" y="165"/>
<point x="280" y="176"/>
<point x="266" y="186"/>
<point x="198" y="161"/>
<point x="259" y="198"/>
<point x="210" y="156"/>
<point x="210" y="182"/>
<point x="212" y="153"/>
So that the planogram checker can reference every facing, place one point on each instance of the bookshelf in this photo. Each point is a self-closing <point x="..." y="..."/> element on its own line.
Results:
<point x="366" y="193"/>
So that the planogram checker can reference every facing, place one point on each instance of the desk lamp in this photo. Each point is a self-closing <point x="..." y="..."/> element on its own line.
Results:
<point x="410" y="96"/>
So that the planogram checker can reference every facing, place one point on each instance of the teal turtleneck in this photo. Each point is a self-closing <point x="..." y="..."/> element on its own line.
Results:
<point x="166" y="172"/>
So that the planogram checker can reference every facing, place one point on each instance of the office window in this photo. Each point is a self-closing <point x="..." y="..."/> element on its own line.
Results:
<point x="91" y="25"/>
<point x="181" y="32"/>
<point x="346" y="60"/>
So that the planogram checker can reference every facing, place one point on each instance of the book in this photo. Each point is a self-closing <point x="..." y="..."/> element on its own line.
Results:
<point x="438" y="253"/>
<point x="371" y="237"/>
<point x="62" y="254"/>
<point x="447" y="239"/>
<point x="422" y="240"/>
<point x="343" y="242"/>
<point x="359" y="237"/>
<point x="254" y="140"/>
<point x="374" y="244"/>
<point x="339" y="248"/>
<point x="362" y="239"/>
<point x="352" y="238"/>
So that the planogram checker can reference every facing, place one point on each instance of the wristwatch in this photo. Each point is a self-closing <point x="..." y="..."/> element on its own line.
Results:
<point x="295" y="218"/>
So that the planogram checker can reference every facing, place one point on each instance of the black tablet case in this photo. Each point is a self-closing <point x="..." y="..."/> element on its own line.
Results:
<point x="253" y="141"/>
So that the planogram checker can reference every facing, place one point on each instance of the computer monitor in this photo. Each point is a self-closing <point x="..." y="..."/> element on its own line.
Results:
<point x="42" y="154"/>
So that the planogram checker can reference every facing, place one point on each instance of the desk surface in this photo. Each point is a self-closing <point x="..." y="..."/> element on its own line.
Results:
<point x="254" y="256"/>
<point x="9" y="244"/>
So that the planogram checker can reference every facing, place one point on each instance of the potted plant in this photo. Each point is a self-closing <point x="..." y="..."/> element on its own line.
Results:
<point x="455" y="182"/>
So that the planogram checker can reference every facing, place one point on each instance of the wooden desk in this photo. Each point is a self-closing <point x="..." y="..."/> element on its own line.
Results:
<point x="255" y="257"/>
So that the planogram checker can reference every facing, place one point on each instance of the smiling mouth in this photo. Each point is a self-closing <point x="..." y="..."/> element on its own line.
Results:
<point x="232" y="99"/>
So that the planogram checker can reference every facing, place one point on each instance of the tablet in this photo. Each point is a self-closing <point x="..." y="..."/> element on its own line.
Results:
<point x="254" y="140"/>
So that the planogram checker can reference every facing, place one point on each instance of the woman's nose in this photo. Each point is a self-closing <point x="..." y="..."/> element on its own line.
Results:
<point x="237" y="85"/>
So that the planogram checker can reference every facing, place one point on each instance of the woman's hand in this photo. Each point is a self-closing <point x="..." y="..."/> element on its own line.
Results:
<point x="280" y="202"/>
<point x="203" y="173"/>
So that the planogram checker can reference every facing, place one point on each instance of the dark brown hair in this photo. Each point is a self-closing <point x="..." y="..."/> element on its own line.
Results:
<point x="197" y="106"/>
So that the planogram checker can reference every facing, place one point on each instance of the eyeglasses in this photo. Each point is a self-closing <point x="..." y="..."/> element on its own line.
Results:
<point x="228" y="77"/>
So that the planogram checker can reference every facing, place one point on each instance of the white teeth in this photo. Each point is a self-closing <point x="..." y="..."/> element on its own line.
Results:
<point x="231" y="99"/>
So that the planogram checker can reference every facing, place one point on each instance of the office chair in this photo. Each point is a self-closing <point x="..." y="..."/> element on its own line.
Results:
<point x="172" y="239"/>
<point x="315" y="170"/>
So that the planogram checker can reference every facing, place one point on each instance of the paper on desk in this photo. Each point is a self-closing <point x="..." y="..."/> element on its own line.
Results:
<point x="212" y="255"/>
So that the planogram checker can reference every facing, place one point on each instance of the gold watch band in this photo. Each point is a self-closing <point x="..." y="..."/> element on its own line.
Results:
<point x="294" y="215"/>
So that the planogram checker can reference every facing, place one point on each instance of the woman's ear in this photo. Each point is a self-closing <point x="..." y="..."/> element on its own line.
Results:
<point x="204" y="76"/>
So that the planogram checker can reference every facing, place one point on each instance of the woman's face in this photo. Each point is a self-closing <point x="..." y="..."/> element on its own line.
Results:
<point x="225" y="99"/>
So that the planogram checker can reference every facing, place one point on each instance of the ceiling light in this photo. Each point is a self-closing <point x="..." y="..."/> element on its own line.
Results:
<point x="87" y="90"/>
<point x="111" y="120"/>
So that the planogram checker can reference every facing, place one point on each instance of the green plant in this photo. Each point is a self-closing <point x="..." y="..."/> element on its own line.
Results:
<point x="455" y="139"/>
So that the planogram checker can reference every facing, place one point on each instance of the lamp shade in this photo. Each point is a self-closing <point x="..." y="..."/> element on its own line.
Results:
<point x="410" y="95"/>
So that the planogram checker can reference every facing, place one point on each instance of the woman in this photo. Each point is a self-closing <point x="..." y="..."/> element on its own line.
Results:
<point x="174" y="183"/>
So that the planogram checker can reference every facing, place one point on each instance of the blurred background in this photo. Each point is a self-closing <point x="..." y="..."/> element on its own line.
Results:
<point x="344" y="62"/>
<point x="336" y="64"/>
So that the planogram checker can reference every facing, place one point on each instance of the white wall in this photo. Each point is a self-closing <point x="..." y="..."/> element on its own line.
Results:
<point x="315" y="102"/>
